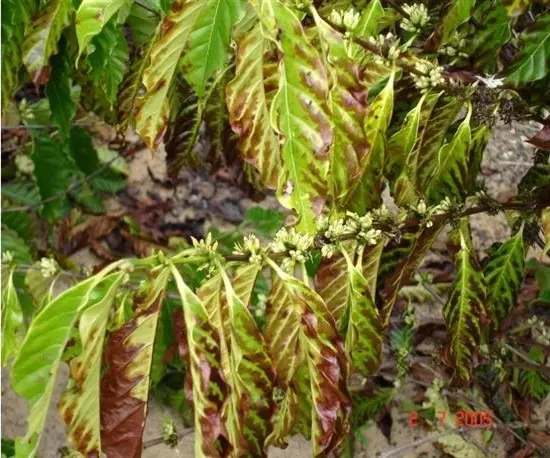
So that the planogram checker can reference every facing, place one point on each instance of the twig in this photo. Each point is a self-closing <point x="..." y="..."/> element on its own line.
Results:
<point x="398" y="450"/>
<point x="25" y="208"/>
<point x="399" y="9"/>
<point x="161" y="440"/>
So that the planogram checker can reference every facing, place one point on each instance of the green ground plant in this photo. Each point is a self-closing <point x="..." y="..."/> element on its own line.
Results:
<point x="328" y="103"/>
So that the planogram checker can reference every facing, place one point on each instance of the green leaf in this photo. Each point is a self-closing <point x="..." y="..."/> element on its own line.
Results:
<point x="450" y="176"/>
<point x="206" y="51"/>
<point x="310" y="363"/>
<point x="300" y="113"/>
<point x="459" y="13"/>
<point x="79" y="405"/>
<point x="366" y="186"/>
<point x="168" y="45"/>
<point x="532" y="383"/>
<point x="39" y="287"/>
<point x="533" y="61"/>
<point x="348" y="103"/>
<point x="109" y="60"/>
<point x="22" y="192"/>
<point x="34" y="370"/>
<point x="41" y="43"/>
<point x="515" y="8"/>
<point x="492" y="34"/>
<point x="248" y="98"/>
<point x="52" y="171"/>
<point x="262" y="221"/>
<point x="209" y="386"/>
<point x="465" y="309"/>
<point x="16" y="246"/>
<point x="142" y="23"/>
<point x="480" y="138"/>
<point x="504" y="274"/>
<point x="83" y="151"/>
<point x="12" y="320"/>
<point x="127" y="356"/>
<point x="369" y="21"/>
<point x="91" y="18"/>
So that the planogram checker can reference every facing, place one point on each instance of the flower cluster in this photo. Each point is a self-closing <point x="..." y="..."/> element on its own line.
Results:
<point x="7" y="257"/>
<point x="418" y="17"/>
<point x="432" y="76"/>
<point x="539" y="330"/>
<point x="250" y="247"/>
<point x="349" y="18"/>
<point x="427" y="213"/>
<point x="48" y="267"/>
<point x="207" y="247"/>
<point x="24" y="164"/>
<point x="295" y="244"/>
<point x="455" y="47"/>
<point x="388" y="45"/>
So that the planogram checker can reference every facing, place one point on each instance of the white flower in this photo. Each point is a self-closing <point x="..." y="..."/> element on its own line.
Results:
<point x="491" y="81"/>
<point x="208" y="246"/>
<point x="328" y="250"/>
<point x="336" y="17"/>
<point x="24" y="164"/>
<point x="7" y="257"/>
<point x="351" y="19"/>
<point x="48" y="267"/>
<point x="418" y="17"/>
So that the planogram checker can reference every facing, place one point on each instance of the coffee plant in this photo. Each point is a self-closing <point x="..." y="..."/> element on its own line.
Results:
<point x="331" y="104"/>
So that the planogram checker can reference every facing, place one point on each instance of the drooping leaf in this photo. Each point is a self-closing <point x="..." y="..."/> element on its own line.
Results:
<point x="542" y="139"/>
<point x="248" y="414"/>
<point x="58" y="90"/>
<point x="348" y="103"/>
<point x="12" y="320"/>
<point x="142" y="23"/>
<point x="369" y="21"/>
<point x="248" y="98"/>
<point x="458" y="13"/>
<point x="408" y="260"/>
<point x="11" y="242"/>
<point x="450" y="175"/>
<point x="533" y="61"/>
<point x="537" y="178"/>
<point x="480" y="138"/>
<point x="92" y="16"/>
<point x="52" y="171"/>
<point x="310" y="364"/>
<point x="300" y="113"/>
<point x="34" y="370"/>
<point x="209" y="386"/>
<point x="16" y="16"/>
<point x="208" y="43"/>
<point x="41" y="43"/>
<point x="366" y="185"/>
<point x="125" y="383"/>
<point x="39" y="286"/>
<point x="363" y="324"/>
<point x="108" y="61"/>
<point x="166" y="48"/>
<point x="436" y="118"/>
<point x="503" y="275"/>
<point x="79" y="406"/>
<point x="465" y="309"/>
<point x="333" y="285"/>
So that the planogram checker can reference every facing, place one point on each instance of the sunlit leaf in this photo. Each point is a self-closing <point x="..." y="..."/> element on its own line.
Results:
<point x="12" y="320"/>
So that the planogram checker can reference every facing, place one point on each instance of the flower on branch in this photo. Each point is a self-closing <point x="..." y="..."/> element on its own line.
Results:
<point x="418" y="17"/>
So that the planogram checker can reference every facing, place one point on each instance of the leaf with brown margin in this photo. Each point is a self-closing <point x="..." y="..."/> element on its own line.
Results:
<point x="366" y="184"/>
<point x="166" y="48"/>
<point x="300" y="113"/>
<point x="41" y="43"/>
<point x="208" y="385"/>
<point x="406" y="266"/>
<point x="79" y="406"/>
<point x="251" y="375"/>
<point x="542" y="139"/>
<point x="244" y="280"/>
<point x="310" y="363"/>
<point x="348" y="103"/>
<point x="248" y="97"/>
<point x="125" y="384"/>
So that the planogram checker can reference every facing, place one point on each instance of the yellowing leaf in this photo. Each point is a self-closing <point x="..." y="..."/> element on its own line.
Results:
<point x="300" y="113"/>
<point x="12" y="320"/>
<point x="91" y="17"/>
<point x="248" y="98"/>
<point x="166" y="49"/>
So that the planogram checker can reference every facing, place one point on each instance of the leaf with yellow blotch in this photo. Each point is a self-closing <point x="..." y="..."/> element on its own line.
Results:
<point x="310" y="364"/>
<point x="248" y="97"/>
